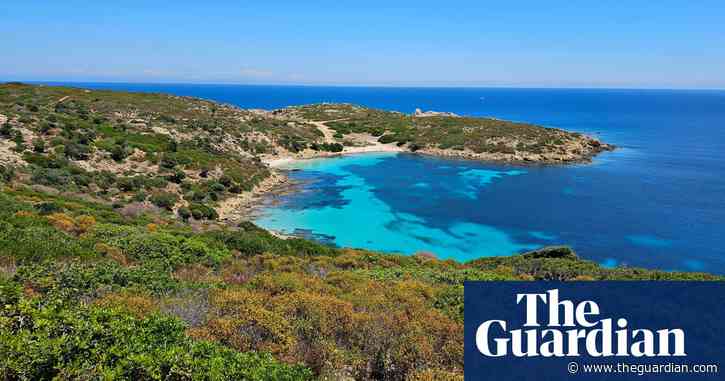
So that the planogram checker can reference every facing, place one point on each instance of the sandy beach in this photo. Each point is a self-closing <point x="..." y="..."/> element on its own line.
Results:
<point x="281" y="161"/>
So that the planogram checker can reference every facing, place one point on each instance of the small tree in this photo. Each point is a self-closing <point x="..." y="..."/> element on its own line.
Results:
<point x="39" y="145"/>
<point x="119" y="153"/>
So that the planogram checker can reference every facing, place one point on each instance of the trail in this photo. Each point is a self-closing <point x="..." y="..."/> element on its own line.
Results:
<point x="327" y="132"/>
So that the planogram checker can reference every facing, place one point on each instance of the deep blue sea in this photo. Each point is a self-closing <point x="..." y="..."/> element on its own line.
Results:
<point x="658" y="201"/>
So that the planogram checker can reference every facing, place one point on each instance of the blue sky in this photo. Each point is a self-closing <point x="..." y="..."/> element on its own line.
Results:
<point x="647" y="44"/>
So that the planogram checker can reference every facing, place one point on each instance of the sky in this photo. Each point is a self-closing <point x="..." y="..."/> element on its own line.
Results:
<point x="616" y="44"/>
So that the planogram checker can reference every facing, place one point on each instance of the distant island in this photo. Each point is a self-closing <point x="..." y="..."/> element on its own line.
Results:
<point x="121" y="231"/>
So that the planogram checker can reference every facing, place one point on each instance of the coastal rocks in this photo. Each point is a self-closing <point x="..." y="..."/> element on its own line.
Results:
<point x="239" y="207"/>
<point x="423" y="114"/>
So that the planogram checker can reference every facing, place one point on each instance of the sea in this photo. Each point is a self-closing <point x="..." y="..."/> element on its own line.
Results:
<point x="657" y="201"/>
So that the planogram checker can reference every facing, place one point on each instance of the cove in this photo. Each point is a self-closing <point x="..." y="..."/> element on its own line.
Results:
<point x="344" y="203"/>
<point x="463" y="210"/>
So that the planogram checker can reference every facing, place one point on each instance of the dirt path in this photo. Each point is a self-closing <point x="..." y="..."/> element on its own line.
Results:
<point x="328" y="132"/>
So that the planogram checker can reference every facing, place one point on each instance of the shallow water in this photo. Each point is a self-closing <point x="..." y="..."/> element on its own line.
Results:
<point x="466" y="210"/>
<point x="657" y="201"/>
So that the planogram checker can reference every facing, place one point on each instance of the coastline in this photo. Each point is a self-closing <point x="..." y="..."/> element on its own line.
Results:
<point x="277" y="162"/>
<point x="243" y="206"/>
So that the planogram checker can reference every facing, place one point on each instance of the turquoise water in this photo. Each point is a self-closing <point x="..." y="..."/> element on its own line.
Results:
<point x="363" y="220"/>
<point x="658" y="201"/>
<point x="407" y="203"/>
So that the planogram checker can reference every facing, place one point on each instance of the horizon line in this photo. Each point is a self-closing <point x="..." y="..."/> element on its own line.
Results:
<point x="411" y="86"/>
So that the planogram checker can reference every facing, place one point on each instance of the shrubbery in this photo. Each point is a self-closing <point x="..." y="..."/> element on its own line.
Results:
<point x="7" y="173"/>
<point x="203" y="212"/>
<point x="142" y="349"/>
<point x="164" y="200"/>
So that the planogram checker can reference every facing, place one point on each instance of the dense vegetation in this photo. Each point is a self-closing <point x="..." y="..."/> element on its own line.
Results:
<point x="87" y="291"/>
<point x="122" y="272"/>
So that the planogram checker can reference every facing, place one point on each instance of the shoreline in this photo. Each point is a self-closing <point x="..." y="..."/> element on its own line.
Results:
<point x="248" y="205"/>
<point x="243" y="206"/>
<point x="279" y="162"/>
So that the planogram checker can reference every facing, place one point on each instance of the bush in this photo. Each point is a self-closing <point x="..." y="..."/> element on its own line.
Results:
<point x="171" y="159"/>
<point x="203" y="212"/>
<point x="330" y="147"/>
<point x="77" y="151"/>
<point x="387" y="138"/>
<point x="7" y="173"/>
<point x="39" y="145"/>
<point x="36" y="243"/>
<point x="217" y="188"/>
<point x="46" y="208"/>
<point x="198" y="249"/>
<point x="225" y="180"/>
<point x="152" y="248"/>
<point x="51" y="177"/>
<point x="164" y="200"/>
<point x="142" y="349"/>
<point x="184" y="213"/>
<point x="129" y="184"/>
<point x="177" y="177"/>
<point x="6" y="131"/>
<point x="119" y="153"/>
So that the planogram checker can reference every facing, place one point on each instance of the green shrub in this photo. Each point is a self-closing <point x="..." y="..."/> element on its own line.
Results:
<point x="129" y="184"/>
<point x="32" y="340"/>
<point x="158" y="248"/>
<point x="35" y="243"/>
<point x="51" y="177"/>
<point x="119" y="153"/>
<point x="217" y="187"/>
<point x="77" y="151"/>
<point x="184" y="213"/>
<point x="164" y="200"/>
<point x="6" y="131"/>
<point x="387" y="138"/>
<point x="198" y="249"/>
<point x="176" y="177"/>
<point x="203" y="212"/>
<point x="7" y="173"/>
<point x="39" y="145"/>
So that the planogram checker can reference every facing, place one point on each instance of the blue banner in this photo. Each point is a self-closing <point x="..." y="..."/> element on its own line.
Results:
<point x="594" y="331"/>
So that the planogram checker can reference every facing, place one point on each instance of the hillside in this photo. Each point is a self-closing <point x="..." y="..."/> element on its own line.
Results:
<point x="114" y="264"/>
<point x="445" y="134"/>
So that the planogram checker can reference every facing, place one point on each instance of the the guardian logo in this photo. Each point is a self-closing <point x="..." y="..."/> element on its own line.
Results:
<point x="572" y="330"/>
